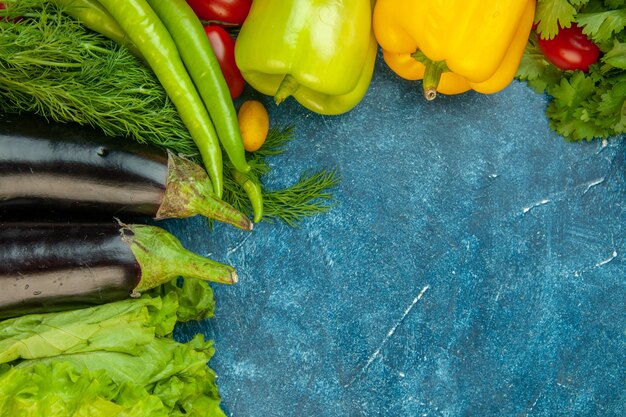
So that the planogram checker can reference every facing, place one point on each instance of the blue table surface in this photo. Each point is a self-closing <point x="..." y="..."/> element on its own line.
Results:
<point x="473" y="266"/>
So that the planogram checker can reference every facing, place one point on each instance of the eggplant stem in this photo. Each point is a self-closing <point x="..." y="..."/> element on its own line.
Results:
<point x="162" y="257"/>
<point x="189" y="192"/>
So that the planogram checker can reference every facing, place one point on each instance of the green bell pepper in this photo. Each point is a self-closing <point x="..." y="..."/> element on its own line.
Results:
<point x="321" y="52"/>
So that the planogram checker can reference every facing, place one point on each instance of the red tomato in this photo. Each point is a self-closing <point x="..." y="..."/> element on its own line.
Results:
<point x="224" y="48"/>
<point x="570" y="49"/>
<point x="233" y="12"/>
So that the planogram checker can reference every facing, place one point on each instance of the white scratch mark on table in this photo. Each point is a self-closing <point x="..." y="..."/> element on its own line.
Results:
<point x="564" y="194"/>
<point x="592" y="184"/>
<point x="390" y="333"/>
<point x="534" y="400"/>
<point x="607" y="260"/>
<point x="498" y="294"/>
<point x="240" y="244"/>
<point x="603" y="145"/>
<point x="537" y="204"/>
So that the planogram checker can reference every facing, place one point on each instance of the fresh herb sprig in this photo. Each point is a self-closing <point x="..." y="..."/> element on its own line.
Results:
<point x="582" y="106"/>
<point x="308" y="196"/>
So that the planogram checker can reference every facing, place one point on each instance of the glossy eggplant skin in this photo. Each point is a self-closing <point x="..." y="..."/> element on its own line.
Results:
<point x="55" y="167"/>
<point x="56" y="266"/>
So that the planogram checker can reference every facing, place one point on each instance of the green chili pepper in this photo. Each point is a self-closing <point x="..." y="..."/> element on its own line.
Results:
<point x="91" y="14"/>
<point x="198" y="56"/>
<point x="149" y="34"/>
<point x="253" y="191"/>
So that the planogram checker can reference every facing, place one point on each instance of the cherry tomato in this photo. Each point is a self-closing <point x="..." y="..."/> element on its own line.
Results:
<point x="570" y="49"/>
<point x="224" y="47"/>
<point x="232" y="12"/>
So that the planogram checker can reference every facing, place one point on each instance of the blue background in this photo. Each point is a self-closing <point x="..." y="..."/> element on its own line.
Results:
<point x="473" y="266"/>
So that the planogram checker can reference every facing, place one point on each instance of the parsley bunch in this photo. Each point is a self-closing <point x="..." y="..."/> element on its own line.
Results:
<point x="582" y="105"/>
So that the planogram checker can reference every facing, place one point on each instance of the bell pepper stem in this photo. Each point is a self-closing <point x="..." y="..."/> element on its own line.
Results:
<point x="432" y="74"/>
<point x="287" y="87"/>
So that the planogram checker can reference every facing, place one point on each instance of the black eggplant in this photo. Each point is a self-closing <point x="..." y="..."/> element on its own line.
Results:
<point x="57" y="167"/>
<point x="57" y="266"/>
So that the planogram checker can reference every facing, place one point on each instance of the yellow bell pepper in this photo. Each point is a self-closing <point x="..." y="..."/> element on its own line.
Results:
<point x="454" y="45"/>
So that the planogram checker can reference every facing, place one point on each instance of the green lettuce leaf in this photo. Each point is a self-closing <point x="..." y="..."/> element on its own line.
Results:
<point x="175" y="373"/>
<point x="124" y="326"/>
<point x="116" y="359"/>
<point x="61" y="391"/>
<point x="159" y="360"/>
<point x="196" y="300"/>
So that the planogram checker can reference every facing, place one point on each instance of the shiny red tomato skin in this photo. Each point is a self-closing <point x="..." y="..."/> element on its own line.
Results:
<point x="233" y="12"/>
<point x="570" y="49"/>
<point x="224" y="47"/>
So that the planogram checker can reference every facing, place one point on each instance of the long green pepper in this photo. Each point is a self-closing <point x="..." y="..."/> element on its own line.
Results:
<point x="149" y="34"/>
<point x="91" y="14"/>
<point x="253" y="190"/>
<point x="203" y="67"/>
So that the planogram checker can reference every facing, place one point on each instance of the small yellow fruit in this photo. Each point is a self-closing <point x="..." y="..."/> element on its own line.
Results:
<point x="254" y="123"/>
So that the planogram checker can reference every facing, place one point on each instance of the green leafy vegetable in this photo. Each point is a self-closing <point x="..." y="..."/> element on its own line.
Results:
<point x="582" y="106"/>
<point x="195" y="299"/>
<point x="123" y="326"/>
<point x="615" y="57"/>
<point x="551" y="14"/>
<point x="117" y="359"/>
<point x="602" y="26"/>
<point x="60" y="390"/>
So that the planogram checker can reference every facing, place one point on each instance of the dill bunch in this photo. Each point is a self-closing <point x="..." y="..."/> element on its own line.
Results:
<point x="310" y="195"/>
<point x="53" y="66"/>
